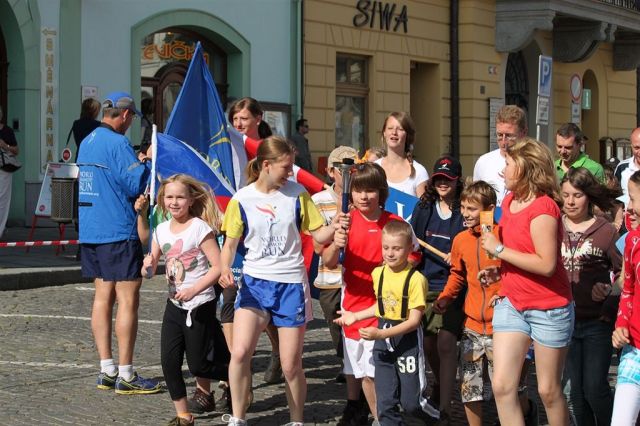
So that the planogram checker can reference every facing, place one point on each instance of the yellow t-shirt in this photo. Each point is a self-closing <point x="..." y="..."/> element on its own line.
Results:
<point x="392" y="291"/>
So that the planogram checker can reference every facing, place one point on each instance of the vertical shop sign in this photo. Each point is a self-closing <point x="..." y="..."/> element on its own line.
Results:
<point x="48" y="97"/>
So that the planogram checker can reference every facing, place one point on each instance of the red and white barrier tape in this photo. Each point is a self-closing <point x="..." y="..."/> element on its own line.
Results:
<point x="38" y="243"/>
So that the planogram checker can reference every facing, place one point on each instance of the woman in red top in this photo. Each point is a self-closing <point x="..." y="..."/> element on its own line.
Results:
<point x="535" y="302"/>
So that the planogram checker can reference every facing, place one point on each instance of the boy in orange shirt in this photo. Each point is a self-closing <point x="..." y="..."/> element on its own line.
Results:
<point x="471" y="266"/>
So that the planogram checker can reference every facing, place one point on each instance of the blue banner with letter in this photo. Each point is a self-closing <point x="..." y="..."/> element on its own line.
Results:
<point x="400" y="203"/>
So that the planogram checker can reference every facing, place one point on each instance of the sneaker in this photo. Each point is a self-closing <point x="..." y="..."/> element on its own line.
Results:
<point x="137" y="385"/>
<point x="106" y="382"/>
<point x="179" y="421"/>
<point x="273" y="374"/>
<point x="233" y="421"/>
<point x="294" y="424"/>
<point x="224" y="403"/>
<point x="354" y="415"/>
<point x="201" y="402"/>
<point x="444" y="420"/>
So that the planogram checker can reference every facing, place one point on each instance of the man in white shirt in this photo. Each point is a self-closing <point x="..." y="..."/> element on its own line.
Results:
<point x="630" y="165"/>
<point x="511" y="125"/>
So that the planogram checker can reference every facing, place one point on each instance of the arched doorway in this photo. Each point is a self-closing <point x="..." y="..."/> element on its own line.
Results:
<point x="516" y="84"/>
<point x="590" y="120"/>
<point x="163" y="64"/>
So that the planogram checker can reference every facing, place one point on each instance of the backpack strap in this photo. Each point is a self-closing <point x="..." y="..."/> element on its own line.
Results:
<point x="380" y="304"/>
<point x="405" y="294"/>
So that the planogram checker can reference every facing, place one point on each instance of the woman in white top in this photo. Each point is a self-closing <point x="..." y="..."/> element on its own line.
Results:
<point x="403" y="173"/>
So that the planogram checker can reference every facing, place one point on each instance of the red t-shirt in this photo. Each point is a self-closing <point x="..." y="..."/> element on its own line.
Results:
<point x="362" y="254"/>
<point x="629" y="312"/>
<point x="526" y="290"/>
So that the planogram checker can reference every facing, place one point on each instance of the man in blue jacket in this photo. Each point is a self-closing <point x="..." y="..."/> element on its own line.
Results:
<point x="110" y="179"/>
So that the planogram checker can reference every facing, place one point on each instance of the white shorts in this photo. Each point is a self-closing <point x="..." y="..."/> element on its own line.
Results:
<point x="358" y="357"/>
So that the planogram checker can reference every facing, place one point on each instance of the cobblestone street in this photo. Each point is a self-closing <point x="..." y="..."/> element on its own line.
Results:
<point x="48" y="366"/>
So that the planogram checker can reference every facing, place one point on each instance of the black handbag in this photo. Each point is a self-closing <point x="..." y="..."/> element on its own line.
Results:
<point x="9" y="162"/>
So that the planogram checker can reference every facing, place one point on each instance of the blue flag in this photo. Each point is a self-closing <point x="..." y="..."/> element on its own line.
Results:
<point x="198" y="119"/>
<point x="400" y="203"/>
<point x="174" y="156"/>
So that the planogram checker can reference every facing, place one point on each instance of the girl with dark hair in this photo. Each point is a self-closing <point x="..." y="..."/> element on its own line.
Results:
<point x="436" y="220"/>
<point x="245" y="115"/>
<point x="87" y="122"/>
<point x="591" y="259"/>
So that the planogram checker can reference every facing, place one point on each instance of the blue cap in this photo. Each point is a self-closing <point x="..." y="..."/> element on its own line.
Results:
<point x="120" y="100"/>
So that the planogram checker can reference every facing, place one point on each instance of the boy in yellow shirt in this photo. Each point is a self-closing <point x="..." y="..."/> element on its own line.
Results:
<point x="398" y="355"/>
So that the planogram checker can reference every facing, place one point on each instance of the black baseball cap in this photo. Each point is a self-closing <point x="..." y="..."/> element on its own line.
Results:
<point x="447" y="167"/>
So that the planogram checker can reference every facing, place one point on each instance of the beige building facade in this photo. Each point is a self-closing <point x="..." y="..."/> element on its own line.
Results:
<point x="364" y="59"/>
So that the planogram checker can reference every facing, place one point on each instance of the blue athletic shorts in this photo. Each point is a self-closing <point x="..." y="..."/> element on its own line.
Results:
<point x="285" y="302"/>
<point x="551" y="328"/>
<point x="119" y="261"/>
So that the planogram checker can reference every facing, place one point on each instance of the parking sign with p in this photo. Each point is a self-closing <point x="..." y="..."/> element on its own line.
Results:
<point x="544" y="75"/>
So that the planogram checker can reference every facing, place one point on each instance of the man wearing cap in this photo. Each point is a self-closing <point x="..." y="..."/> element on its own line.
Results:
<point x="110" y="180"/>
<point x="630" y="165"/>
<point x="511" y="125"/>
<point x="569" y="143"/>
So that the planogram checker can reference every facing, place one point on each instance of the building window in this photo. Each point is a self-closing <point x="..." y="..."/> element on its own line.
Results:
<point x="517" y="82"/>
<point x="352" y="89"/>
<point x="164" y="61"/>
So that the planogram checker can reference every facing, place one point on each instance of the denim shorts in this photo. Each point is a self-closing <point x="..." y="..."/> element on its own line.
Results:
<point x="629" y="368"/>
<point x="285" y="302"/>
<point x="551" y="328"/>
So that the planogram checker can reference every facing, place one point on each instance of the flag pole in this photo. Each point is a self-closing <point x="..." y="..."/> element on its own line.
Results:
<point x="152" y="185"/>
<point x="154" y="155"/>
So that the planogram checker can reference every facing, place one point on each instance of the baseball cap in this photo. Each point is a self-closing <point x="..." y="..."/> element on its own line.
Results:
<point x="120" y="100"/>
<point x="340" y="153"/>
<point x="447" y="167"/>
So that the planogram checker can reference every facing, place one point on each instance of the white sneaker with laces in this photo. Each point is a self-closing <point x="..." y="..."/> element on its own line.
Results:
<point x="233" y="421"/>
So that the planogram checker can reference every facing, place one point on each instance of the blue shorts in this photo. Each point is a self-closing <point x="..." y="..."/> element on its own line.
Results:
<point x="551" y="328"/>
<point x="285" y="302"/>
<point x="119" y="261"/>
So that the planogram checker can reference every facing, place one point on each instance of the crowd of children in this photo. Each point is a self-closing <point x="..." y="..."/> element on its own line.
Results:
<point x="474" y="300"/>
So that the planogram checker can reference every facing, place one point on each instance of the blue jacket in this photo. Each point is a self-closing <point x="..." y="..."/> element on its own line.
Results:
<point x="110" y="179"/>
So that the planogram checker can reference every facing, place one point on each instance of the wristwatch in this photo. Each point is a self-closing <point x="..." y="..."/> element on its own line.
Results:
<point x="499" y="249"/>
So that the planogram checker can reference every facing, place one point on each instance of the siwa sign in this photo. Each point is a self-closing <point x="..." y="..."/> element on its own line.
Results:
<point x="388" y="16"/>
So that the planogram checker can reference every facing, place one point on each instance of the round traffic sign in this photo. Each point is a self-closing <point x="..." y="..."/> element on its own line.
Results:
<point x="576" y="88"/>
<point x="66" y="155"/>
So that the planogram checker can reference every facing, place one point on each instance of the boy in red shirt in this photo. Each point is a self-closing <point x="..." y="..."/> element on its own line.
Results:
<point x="362" y="244"/>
